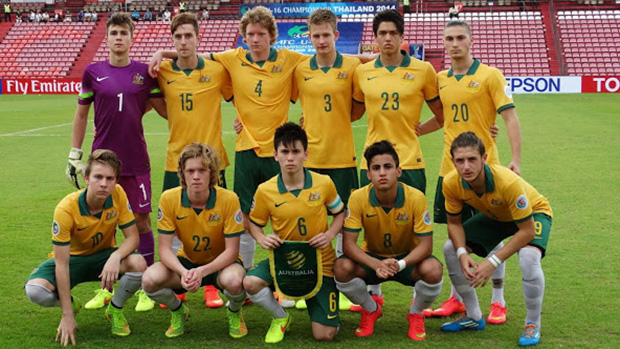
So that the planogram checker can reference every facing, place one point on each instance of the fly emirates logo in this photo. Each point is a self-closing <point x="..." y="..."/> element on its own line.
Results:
<point x="41" y="86"/>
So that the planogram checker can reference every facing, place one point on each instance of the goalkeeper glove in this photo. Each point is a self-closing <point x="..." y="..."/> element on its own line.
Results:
<point x="75" y="166"/>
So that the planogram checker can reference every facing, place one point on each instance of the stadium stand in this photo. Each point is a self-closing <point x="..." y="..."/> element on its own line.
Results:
<point x="589" y="41"/>
<point x="42" y="50"/>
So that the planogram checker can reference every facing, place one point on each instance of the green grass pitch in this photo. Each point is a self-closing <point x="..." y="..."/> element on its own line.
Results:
<point x="570" y="154"/>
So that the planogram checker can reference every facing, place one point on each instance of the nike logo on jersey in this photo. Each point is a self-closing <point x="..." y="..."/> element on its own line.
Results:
<point x="103" y="78"/>
<point x="244" y="64"/>
<point x="280" y="204"/>
<point x="372" y="77"/>
<point x="441" y="87"/>
<point x="169" y="82"/>
<point x="329" y="317"/>
<point x="371" y="215"/>
<point x="80" y="229"/>
<point x="180" y="218"/>
<point x="141" y="205"/>
<point x="306" y="79"/>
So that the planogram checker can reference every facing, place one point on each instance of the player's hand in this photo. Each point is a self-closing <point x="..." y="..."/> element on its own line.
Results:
<point x="111" y="269"/>
<point x="482" y="274"/>
<point x="418" y="129"/>
<point x="191" y="280"/>
<point x="467" y="264"/>
<point x="237" y="126"/>
<point x="301" y="121"/>
<point x="386" y="268"/>
<point x="494" y="131"/>
<point x="320" y="241"/>
<point x="66" y="330"/>
<point x="514" y="167"/>
<point x="154" y="64"/>
<point x="75" y="166"/>
<point x="270" y="242"/>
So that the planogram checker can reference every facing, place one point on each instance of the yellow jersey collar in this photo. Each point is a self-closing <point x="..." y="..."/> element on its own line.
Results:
<point x="273" y="55"/>
<point x="400" y="197"/>
<point x="83" y="205"/>
<point x="489" y="184"/>
<point x="307" y="181"/>
<point x="337" y="63"/>
<point x="405" y="63"/>
<point x="210" y="203"/>
<point x="471" y="71"/>
<point x="201" y="65"/>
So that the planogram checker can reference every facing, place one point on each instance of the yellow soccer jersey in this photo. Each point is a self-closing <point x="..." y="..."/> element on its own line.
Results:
<point x="301" y="214"/>
<point x="193" y="101"/>
<point x="389" y="232"/>
<point x="87" y="234"/>
<point x="202" y="233"/>
<point x="507" y="197"/>
<point x="262" y="94"/>
<point x="471" y="103"/>
<point x="325" y="95"/>
<point x="393" y="97"/>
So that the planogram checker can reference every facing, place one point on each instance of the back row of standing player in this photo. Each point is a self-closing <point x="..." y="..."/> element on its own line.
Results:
<point x="261" y="85"/>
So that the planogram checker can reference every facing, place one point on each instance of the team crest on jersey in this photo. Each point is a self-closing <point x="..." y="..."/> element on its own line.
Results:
<point x="521" y="202"/>
<point x="427" y="218"/>
<point x="138" y="79"/>
<point x="238" y="217"/>
<point x="111" y="215"/>
<point x="277" y="69"/>
<point x="160" y="214"/>
<point x="342" y="77"/>
<point x="508" y="91"/>
<point x="473" y="86"/>
<point x="408" y="78"/>
<point x="204" y="79"/>
<point x="314" y="199"/>
<point x="55" y="228"/>
<point x="496" y="202"/>
<point x="214" y="219"/>
<point x="402" y="218"/>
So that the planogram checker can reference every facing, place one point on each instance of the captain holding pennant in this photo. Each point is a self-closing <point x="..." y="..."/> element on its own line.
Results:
<point x="296" y="201"/>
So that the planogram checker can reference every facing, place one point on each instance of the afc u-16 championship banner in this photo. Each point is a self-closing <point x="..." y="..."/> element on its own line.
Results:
<point x="294" y="36"/>
<point x="297" y="269"/>
<point x="292" y="10"/>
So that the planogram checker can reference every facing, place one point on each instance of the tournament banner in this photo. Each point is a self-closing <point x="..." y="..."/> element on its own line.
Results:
<point x="294" y="36"/>
<point x="41" y="86"/>
<point x="414" y="50"/>
<point x="600" y="84"/>
<point x="296" y="10"/>
<point x="297" y="269"/>
<point x="544" y="84"/>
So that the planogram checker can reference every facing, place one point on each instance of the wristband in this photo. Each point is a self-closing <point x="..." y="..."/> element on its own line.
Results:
<point x="494" y="260"/>
<point x="460" y="251"/>
<point x="401" y="265"/>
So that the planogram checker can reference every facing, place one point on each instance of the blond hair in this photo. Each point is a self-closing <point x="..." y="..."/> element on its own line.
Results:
<point x="209" y="158"/>
<point x="262" y="16"/>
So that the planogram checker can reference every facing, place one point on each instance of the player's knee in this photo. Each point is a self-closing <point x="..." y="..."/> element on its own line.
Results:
<point x="343" y="270"/>
<point x="135" y="263"/>
<point x="252" y="284"/>
<point x="232" y="282"/>
<point x="529" y="261"/>
<point x="41" y="295"/>
<point x="325" y="334"/>
<point x="149" y="282"/>
<point x="431" y="270"/>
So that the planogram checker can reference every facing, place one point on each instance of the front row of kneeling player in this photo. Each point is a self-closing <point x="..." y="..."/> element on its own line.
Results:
<point x="207" y="219"/>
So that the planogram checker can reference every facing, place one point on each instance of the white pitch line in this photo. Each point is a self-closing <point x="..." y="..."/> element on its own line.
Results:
<point x="34" y="130"/>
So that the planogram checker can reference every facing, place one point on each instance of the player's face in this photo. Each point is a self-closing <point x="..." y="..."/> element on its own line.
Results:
<point x="323" y="37"/>
<point x="383" y="172"/>
<point x="291" y="158"/>
<point x="257" y="38"/>
<point x="185" y="41"/>
<point x="388" y="38"/>
<point x="197" y="176"/>
<point x="100" y="181"/>
<point x="457" y="42"/>
<point x="119" y="39"/>
<point x="469" y="163"/>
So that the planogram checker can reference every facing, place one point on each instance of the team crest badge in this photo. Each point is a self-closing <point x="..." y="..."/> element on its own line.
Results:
<point x="214" y="219"/>
<point x="138" y="79"/>
<point x="204" y="79"/>
<point x="55" y="228"/>
<point x="496" y="202"/>
<point x="314" y="199"/>
<point x="408" y="78"/>
<point x="473" y="86"/>
<point x="276" y="69"/>
<point x="111" y="215"/>
<point x="427" y="218"/>
<point x="238" y="217"/>
<point x="160" y="214"/>
<point x="342" y="77"/>
<point x="521" y="202"/>
<point x="402" y="218"/>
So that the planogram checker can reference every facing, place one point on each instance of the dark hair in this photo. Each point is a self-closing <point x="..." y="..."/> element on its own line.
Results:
<point x="184" y="18"/>
<point x="380" y="148"/>
<point x="120" y="19"/>
<point x="104" y="157"/>
<point x="467" y="139"/>
<point x="288" y="134"/>
<point x="389" y="16"/>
